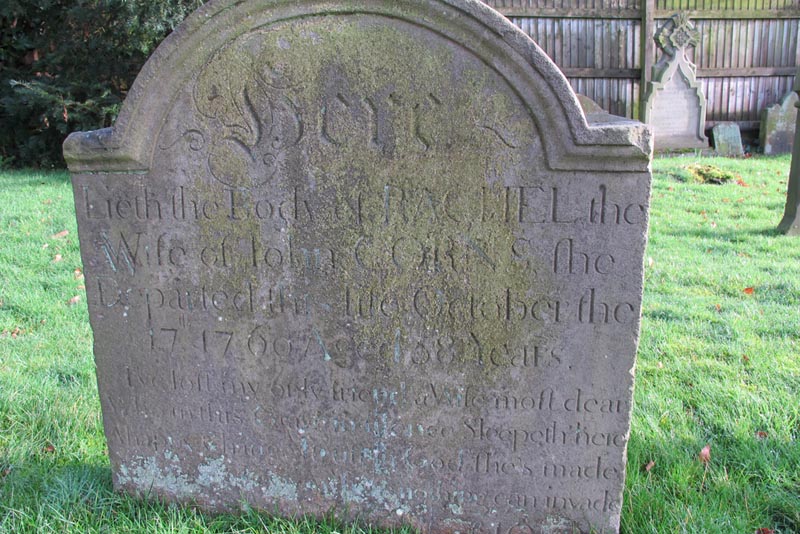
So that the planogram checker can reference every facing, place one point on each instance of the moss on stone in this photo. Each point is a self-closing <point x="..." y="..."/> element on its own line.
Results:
<point x="399" y="133"/>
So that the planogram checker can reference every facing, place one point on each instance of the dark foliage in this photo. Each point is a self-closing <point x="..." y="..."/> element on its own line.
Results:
<point x="66" y="65"/>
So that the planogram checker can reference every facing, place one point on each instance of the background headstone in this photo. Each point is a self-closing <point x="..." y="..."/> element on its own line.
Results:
<point x="778" y="126"/>
<point x="365" y="257"/>
<point x="589" y="106"/>
<point x="727" y="139"/>
<point x="675" y="105"/>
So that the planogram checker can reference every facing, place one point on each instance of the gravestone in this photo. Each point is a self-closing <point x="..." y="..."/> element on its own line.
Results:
<point x="588" y="105"/>
<point x="778" y="126"/>
<point x="675" y="106"/>
<point x="365" y="257"/>
<point x="727" y="139"/>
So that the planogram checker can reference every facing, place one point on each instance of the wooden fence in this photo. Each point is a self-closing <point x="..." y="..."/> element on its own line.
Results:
<point x="746" y="59"/>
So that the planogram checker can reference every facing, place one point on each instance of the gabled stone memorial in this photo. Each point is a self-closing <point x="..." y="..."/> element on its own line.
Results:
<point x="365" y="257"/>
<point x="675" y="106"/>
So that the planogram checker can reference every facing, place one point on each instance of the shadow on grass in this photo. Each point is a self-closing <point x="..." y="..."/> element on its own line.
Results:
<point x="662" y="314"/>
<point x="732" y="236"/>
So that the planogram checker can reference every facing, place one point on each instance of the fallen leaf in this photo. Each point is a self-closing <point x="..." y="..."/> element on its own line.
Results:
<point x="705" y="454"/>
<point x="49" y="449"/>
<point x="81" y="288"/>
<point x="45" y="246"/>
<point x="62" y="233"/>
<point x="74" y="300"/>
<point x="745" y="358"/>
<point x="713" y="224"/>
<point x="718" y="307"/>
<point x="649" y="466"/>
<point x="749" y="290"/>
<point x="761" y="434"/>
<point x="742" y="183"/>
<point x="764" y="531"/>
<point x="78" y="275"/>
<point x="16" y="332"/>
<point x="660" y="365"/>
<point x="47" y="202"/>
<point x="5" y="472"/>
<point x="650" y="261"/>
<point x="57" y="258"/>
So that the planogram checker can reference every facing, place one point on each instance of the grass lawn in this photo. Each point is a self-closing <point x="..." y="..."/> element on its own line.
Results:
<point x="718" y="365"/>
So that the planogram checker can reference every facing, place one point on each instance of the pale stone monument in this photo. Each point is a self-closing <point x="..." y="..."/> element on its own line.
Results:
<point x="727" y="139"/>
<point x="778" y="126"/>
<point x="675" y="106"/>
<point x="365" y="257"/>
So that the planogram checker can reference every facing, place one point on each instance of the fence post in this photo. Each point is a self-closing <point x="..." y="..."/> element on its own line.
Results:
<point x="646" y="51"/>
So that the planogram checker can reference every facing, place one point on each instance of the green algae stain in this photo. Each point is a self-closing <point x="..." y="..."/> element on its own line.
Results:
<point x="400" y="184"/>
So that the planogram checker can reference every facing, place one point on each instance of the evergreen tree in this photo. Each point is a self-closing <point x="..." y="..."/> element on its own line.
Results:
<point x="66" y="65"/>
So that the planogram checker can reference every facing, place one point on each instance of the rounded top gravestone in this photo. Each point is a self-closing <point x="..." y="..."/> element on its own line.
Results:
<point x="365" y="257"/>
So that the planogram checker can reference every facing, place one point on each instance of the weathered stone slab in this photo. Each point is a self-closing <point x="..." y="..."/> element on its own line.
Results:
<point x="367" y="257"/>
<point x="727" y="139"/>
<point x="675" y="106"/>
<point x="778" y="126"/>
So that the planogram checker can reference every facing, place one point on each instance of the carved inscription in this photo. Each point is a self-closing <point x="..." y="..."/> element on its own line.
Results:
<point x="224" y="326"/>
<point x="383" y="204"/>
